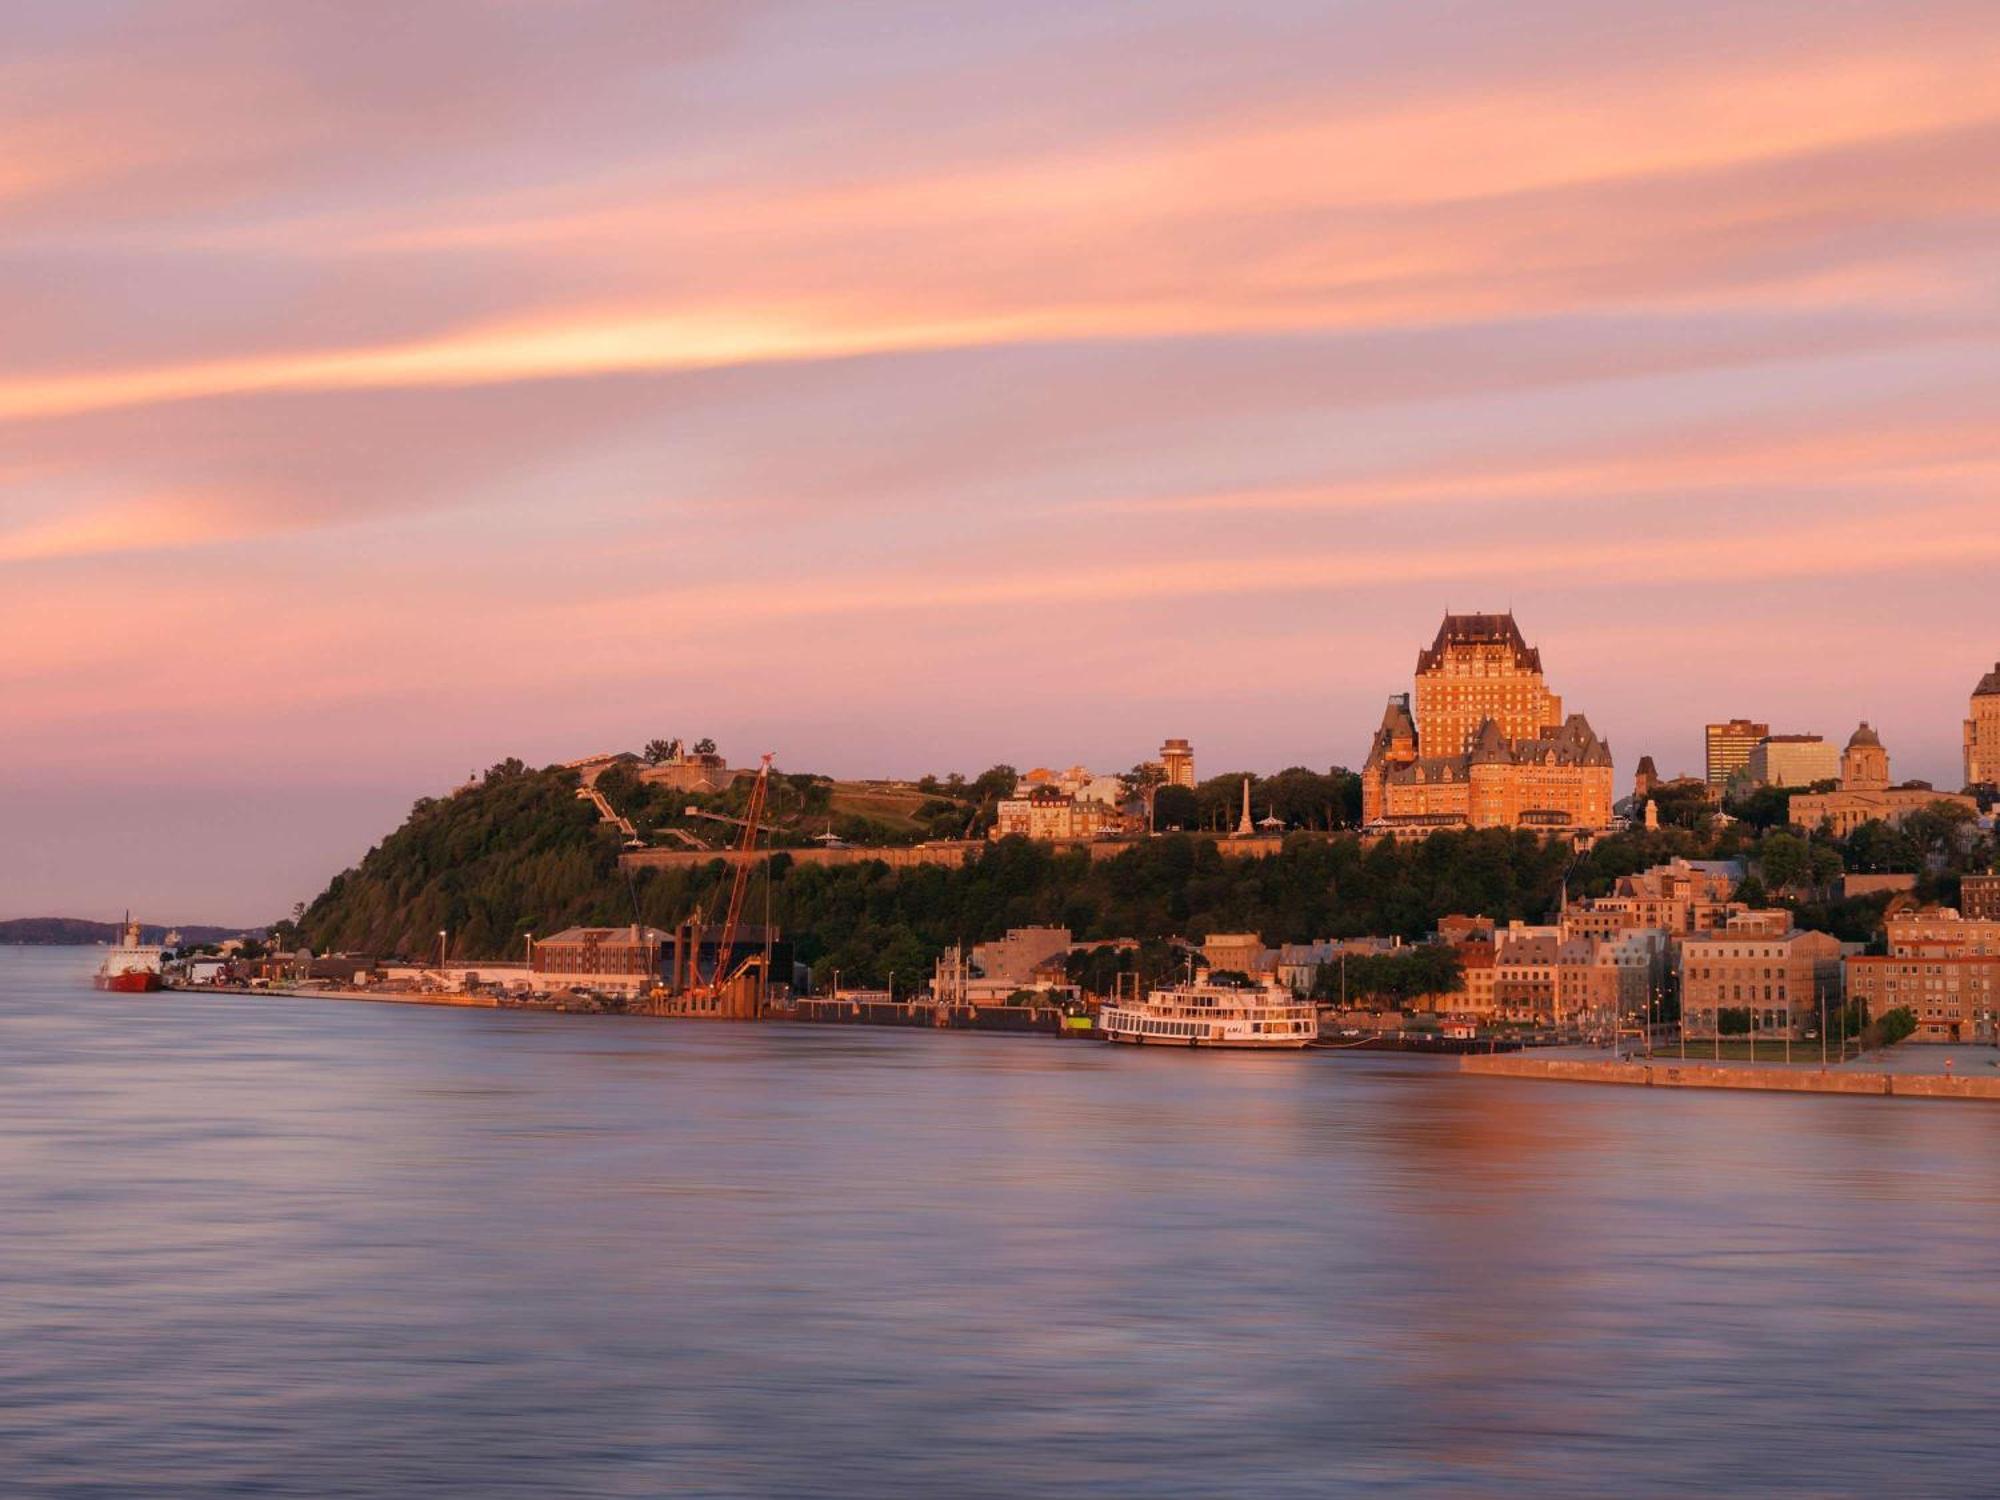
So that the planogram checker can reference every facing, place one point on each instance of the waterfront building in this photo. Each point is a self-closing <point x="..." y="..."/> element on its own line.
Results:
<point x="1017" y="957"/>
<point x="1486" y="744"/>
<point x="1298" y="965"/>
<point x="1864" y="794"/>
<point x="1478" y="966"/>
<point x="1982" y="732"/>
<point x="1792" y="760"/>
<point x="1526" y="961"/>
<point x="1238" y="952"/>
<point x="1953" y="999"/>
<point x="625" y="960"/>
<point x="1729" y="746"/>
<point x="1944" y="966"/>
<point x="1979" y="897"/>
<point x="1779" y="977"/>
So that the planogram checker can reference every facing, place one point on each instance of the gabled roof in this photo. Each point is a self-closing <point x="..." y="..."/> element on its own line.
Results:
<point x="1490" y="747"/>
<point x="1396" y="724"/>
<point x="1989" y="685"/>
<point x="1480" y="630"/>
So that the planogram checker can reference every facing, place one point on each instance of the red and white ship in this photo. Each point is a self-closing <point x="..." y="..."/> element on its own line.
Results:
<point x="133" y="967"/>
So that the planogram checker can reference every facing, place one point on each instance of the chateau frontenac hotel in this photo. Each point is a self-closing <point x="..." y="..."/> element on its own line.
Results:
<point x="1488" y="745"/>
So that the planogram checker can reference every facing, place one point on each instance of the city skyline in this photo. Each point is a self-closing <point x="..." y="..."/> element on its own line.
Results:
<point x="390" y="393"/>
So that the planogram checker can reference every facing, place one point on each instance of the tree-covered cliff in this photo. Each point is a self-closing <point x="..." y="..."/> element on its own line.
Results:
<point x="519" y="852"/>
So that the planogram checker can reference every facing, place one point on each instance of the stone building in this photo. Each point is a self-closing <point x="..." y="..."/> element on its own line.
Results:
<point x="1982" y="732"/>
<point x="1780" y="978"/>
<point x="1048" y="812"/>
<point x="1944" y="966"/>
<point x="1979" y="897"/>
<point x="1941" y="932"/>
<point x="624" y="959"/>
<point x="1239" y="953"/>
<point x="1486" y="746"/>
<point x="1683" y="895"/>
<point x="1018" y="956"/>
<point x="1864" y="794"/>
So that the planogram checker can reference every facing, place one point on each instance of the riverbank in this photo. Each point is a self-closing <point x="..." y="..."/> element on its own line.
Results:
<point x="1774" y="1078"/>
<point x="377" y="997"/>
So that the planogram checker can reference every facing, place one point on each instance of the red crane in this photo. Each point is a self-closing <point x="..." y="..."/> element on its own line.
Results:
<point x="753" y="821"/>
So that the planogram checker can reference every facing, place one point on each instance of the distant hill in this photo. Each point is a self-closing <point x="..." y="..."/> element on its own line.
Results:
<point x="54" y="932"/>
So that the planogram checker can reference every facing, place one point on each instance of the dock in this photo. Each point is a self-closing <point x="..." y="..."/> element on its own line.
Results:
<point x="1772" y="1078"/>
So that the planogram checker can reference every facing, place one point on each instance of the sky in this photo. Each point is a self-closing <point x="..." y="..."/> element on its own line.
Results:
<point x="386" y="390"/>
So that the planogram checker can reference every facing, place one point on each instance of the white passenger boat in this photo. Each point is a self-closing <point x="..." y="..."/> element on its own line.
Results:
<point x="1212" y="1015"/>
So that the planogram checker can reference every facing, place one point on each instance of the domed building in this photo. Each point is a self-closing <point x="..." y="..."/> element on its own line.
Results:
<point x="1864" y="764"/>
<point x="1864" y="794"/>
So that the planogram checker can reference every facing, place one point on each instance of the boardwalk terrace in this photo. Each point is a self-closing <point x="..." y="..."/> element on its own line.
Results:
<point x="1487" y="745"/>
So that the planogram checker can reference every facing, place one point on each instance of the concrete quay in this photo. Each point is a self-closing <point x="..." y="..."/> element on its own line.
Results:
<point x="1658" y="1073"/>
<point x="377" y="997"/>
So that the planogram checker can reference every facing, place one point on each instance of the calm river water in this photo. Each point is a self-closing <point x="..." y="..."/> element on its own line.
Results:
<point x="323" y="1249"/>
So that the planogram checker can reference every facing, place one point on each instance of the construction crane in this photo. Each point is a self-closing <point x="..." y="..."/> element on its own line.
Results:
<point x="753" y="819"/>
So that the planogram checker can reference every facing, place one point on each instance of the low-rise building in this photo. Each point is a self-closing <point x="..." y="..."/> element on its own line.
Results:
<point x="1018" y="956"/>
<point x="1048" y="813"/>
<point x="1979" y="898"/>
<point x="625" y="960"/>
<point x="1943" y="966"/>
<point x="1238" y="952"/>
<point x="1781" y="979"/>
<point x="1941" y="932"/>
<point x="1953" y="999"/>
<point x="1298" y="965"/>
<point x="1683" y="895"/>
<point x="691" y="771"/>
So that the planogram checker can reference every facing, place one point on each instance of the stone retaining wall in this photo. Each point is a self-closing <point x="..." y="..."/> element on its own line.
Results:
<point x="1680" y="1075"/>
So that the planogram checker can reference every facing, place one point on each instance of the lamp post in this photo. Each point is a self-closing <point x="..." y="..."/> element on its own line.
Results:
<point x="441" y="949"/>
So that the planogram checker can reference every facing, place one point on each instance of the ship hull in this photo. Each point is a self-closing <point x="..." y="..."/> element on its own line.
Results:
<point x="1225" y="1044"/>
<point x="132" y="982"/>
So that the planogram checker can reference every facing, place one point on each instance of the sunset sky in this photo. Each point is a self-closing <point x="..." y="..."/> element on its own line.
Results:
<point x="388" y="389"/>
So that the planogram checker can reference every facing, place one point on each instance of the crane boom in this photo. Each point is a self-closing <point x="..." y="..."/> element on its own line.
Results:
<point x="753" y="817"/>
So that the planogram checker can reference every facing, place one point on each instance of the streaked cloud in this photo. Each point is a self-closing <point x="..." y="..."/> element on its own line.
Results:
<point x="481" y="378"/>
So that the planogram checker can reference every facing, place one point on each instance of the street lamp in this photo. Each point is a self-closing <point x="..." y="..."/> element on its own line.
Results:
<point x="441" y="949"/>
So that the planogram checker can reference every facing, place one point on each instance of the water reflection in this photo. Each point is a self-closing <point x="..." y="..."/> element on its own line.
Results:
<point x="320" y="1249"/>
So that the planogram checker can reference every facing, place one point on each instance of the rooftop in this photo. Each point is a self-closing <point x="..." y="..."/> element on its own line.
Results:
<point x="1480" y="630"/>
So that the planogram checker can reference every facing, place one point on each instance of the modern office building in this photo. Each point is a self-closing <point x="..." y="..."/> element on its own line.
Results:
<point x="1729" y="747"/>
